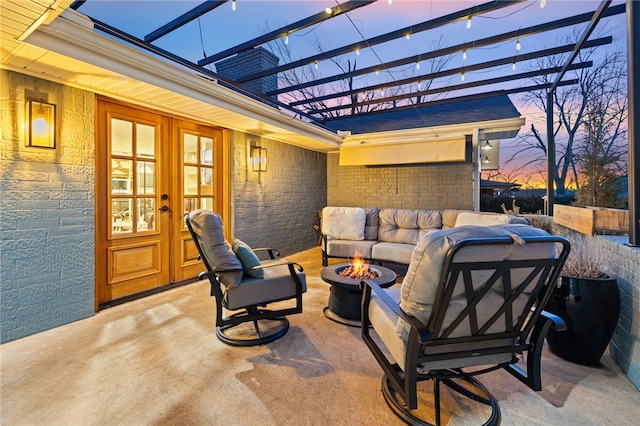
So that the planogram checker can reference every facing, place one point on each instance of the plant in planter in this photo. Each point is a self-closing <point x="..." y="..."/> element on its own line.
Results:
<point x="588" y="300"/>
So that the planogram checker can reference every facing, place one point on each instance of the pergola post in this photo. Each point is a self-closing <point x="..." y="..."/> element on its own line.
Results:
<point x="551" y="153"/>
<point x="633" y="64"/>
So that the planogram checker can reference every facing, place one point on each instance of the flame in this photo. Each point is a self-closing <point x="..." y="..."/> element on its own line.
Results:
<point x="359" y="265"/>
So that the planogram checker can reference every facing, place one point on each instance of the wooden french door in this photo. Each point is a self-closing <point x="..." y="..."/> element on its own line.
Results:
<point x="150" y="170"/>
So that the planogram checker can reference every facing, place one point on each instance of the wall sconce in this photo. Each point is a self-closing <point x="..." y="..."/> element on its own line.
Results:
<point x="42" y="124"/>
<point x="258" y="158"/>
<point x="487" y="145"/>
<point x="485" y="159"/>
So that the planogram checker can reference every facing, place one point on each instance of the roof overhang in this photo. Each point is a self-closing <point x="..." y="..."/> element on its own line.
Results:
<point x="70" y="52"/>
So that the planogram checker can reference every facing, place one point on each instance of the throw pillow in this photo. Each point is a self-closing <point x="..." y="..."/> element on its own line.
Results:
<point x="208" y="227"/>
<point x="248" y="259"/>
<point x="479" y="219"/>
<point x="343" y="223"/>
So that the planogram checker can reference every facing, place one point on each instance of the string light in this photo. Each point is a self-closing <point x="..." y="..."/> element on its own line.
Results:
<point x="462" y="76"/>
<point x="543" y="3"/>
<point x="377" y="72"/>
<point x="390" y="1"/>
<point x="408" y="36"/>
<point x="418" y="65"/>
<point x="469" y="22"/>
<point x="464" y="55"/>
<point x="513" y="66"/>
<point x="518" y="45"/>
<point x="286" y="39"/>
<point x="316" y="64"/>
<point x="233" y="5"/>
<point x="419" y="85"/>
<point x="358" y="51"/>
<point x="328" y="10"/>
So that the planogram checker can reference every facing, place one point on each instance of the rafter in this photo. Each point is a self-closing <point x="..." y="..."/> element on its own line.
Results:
<point x="512" y="35"/>
<point x="468" y="68"/>
<point x="183" y="19"/>
<point x="283" y="31"/>
<point x="393" y="35"/>
<point x="453" y="88"/>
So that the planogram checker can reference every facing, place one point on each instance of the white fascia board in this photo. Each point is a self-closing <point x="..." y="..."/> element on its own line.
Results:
<point x="424" y="134"/>
<point x="72" y="34"/>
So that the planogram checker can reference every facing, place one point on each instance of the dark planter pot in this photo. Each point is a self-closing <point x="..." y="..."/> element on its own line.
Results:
<point x="591" y="308"/>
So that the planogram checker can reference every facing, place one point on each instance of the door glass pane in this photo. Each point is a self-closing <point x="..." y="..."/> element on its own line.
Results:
<point x="121" y="176"/>
<point x="206" y="181"/>
<point x="190" y="180"/>
<point x="121" y="215"/>
<point x="121" y="137"/>
<point x="146" y="177"/>
<point x="190" y="148"/>
<point x="146" y="214"/>
<point x="206" y="147"/>
<point x="145" y="140"/>
<point x="190" y="204"/>
<point x="206" y="203"/>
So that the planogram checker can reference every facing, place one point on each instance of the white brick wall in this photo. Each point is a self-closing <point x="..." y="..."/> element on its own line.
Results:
<point x="47" y="211"/>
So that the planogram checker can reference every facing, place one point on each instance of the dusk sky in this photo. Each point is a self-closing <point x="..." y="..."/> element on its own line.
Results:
<point x="223" y="28"/>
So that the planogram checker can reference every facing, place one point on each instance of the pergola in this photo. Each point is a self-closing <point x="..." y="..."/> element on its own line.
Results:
<point x="316" y="108"/>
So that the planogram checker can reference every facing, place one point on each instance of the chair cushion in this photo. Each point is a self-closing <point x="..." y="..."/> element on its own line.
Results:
<point x="349" y="248"/>
<point x="407" y="226"/>
<point x="371" y="223"/>
<point x="481" y="219"/>
<point x="208" y="227"/>
<point x="276" y="285"/>
<point x="248" y="259"/>
<point x="423" y="276"/>
<point x="343" y="223"/>
<point x="393" y="252"/>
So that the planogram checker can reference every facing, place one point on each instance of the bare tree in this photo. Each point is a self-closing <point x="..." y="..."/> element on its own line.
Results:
<point x="604" y="85"/>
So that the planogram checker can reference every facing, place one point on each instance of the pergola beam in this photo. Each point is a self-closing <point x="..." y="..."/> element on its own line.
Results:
<point x="183" y="19"/>
<point x="393" y="35"/>
<point x="453" y="88"/>
<point x="463" y="98"/>
<point x="283" y="31"/>
<point x="560" y="23"/>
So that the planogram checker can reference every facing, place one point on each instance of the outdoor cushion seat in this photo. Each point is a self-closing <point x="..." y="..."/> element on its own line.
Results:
<point x="393" y="252"/>
<point x="470" y="303"/>
<point x="243" y="284"/>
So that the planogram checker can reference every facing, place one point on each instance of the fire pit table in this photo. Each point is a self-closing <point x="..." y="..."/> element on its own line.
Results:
<point x="345" y="293"/>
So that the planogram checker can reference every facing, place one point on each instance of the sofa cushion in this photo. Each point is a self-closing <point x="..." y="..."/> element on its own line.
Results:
<point x="371" y="223"/>
<point x="421" y="282"/>
<point x="350" y="248"/>
<point x="248" y="259"/>
<point x="343" y="223"/>
<point x="480" y="219"/>
<point x="407" y="226"/>
<point x="393" y="252"/>
<point x="226" y="265"/>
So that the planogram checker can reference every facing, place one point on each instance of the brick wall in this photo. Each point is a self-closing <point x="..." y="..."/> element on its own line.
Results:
<point x="278" y="208"/>
<point x="431" y="186"/>
<point x="47" y="215"/>
<point x="249" y="62"/>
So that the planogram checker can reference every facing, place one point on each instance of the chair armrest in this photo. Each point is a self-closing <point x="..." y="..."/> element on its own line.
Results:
<point x="557" y="323"/>
<point x="423" y="333"/>
<point x="271" y="265"/>
<point x="273" y="253"/>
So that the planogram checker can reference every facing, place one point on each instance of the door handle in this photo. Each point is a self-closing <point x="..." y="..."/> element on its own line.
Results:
<point x="164" y="209"/>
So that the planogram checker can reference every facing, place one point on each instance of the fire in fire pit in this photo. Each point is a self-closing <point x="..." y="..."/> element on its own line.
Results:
<point x="358" y="270"/>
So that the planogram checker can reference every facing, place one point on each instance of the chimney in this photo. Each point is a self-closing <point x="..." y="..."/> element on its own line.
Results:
<point x="249" y="62"/>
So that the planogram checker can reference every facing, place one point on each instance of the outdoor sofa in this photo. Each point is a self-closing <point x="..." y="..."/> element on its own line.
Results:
<point x="390" y="235"/>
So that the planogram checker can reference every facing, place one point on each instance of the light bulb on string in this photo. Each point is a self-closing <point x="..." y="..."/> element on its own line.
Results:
<point x="543" y="3"/>
<point x="286" y="39"/>
<point x="390" y="1"/>
<point x="315" y="63"/>
<point x="418" y="65"/>
<point x="328" y="10"/>
<point x="462" y="76"/>
<point x="377" y="72"/>
<point x="358" y="51"/>
<point x="233" y="5"/>
<point x="408" y="36"/>
<point x="419" y="85"/>
<point x="469" y="22"/>
<point x="513" y="66"/>
<point x="464" y="55"/>
<point x="518" y="45"/>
